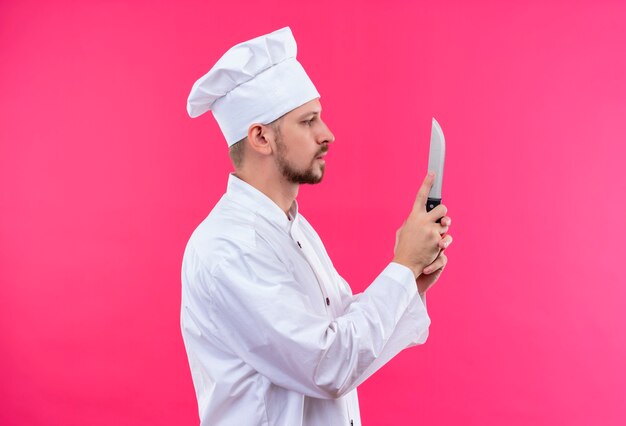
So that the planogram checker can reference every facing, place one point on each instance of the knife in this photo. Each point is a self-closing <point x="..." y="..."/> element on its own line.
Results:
<point x="436" y="158"/>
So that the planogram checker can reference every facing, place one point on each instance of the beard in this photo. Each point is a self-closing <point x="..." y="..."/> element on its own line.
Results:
<point x="291" y="173"/>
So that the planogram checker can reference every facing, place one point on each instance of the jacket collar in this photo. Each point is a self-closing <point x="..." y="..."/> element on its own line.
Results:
<point x="252" y="199"/>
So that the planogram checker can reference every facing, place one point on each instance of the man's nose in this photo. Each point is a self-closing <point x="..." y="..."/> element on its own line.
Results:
<point x="326" y="136"/>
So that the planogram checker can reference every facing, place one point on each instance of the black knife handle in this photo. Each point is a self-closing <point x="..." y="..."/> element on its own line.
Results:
<point x="431" y="204"/>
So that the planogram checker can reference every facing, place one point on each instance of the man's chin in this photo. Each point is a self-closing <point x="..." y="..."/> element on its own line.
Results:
<point x="309" y="177"/>
<point x="318" y="178"/>
<point x="313" y="180"/>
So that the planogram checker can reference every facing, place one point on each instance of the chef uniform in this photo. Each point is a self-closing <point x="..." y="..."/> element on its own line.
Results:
<point x="274" y="335"/>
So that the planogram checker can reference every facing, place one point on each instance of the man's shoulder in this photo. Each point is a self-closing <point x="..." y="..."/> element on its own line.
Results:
<point x="226" y="231"/>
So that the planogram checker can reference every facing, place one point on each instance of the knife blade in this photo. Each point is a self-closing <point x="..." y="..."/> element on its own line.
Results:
<point x="436" y="159"/>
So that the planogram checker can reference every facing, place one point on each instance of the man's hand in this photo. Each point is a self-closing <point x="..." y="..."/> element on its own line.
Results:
<point x="432" y="272"/>
<point x="419" y="241"/>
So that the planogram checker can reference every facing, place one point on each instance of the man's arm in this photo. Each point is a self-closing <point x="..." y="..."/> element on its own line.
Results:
<point x="261" y="313"/>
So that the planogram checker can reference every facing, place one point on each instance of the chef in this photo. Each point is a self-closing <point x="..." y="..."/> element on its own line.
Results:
<point x="273" y="334"/>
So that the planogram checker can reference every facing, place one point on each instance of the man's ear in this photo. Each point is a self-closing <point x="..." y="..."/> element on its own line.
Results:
<point x="260" y="138"/>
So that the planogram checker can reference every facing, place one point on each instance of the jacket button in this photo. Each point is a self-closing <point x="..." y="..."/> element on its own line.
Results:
<point x="328" y="301"/>
<point x="299" y="245"/>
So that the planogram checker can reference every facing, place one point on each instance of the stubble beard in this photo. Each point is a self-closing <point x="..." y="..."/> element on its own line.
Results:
<point x="290" y="173"/>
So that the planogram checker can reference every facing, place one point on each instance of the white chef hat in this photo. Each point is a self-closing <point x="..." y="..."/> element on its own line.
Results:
<point x="256" y="81"/>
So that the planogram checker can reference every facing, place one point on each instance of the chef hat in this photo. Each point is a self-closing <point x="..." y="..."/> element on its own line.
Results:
<point x="256" y="81"/>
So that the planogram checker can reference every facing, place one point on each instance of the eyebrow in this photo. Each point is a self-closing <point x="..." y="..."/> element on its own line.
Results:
<point x="309" y="114"/>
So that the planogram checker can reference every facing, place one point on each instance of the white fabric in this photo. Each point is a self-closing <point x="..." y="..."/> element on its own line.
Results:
<point x="263" y="345"/>
<point x="256" y="81"/>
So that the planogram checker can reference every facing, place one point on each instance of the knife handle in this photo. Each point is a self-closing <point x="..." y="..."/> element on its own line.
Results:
<point x="431" y="204"/>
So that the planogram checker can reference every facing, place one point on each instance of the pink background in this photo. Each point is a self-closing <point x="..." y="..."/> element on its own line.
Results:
<point x="103" y="177"/>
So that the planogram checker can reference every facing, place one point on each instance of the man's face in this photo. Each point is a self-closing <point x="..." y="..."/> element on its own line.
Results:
<point x="301" y="143"/>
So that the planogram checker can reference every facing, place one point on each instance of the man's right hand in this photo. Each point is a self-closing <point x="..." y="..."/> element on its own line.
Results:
<point x="419" y="240"/>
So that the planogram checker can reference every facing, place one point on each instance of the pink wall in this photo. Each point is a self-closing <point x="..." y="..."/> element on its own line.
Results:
<point x="103" y="177"/>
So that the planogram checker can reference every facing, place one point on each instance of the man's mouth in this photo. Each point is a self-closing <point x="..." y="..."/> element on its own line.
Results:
<point x="321" y="155"/>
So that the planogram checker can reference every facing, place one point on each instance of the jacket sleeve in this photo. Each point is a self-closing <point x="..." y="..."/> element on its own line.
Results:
<point x="262" y="314"/>
<point x="409" y="331"/>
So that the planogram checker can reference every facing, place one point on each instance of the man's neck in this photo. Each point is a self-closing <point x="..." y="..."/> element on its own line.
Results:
<point x="276" y="188"/>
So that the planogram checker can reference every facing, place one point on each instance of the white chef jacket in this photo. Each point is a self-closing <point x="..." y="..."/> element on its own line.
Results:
<point x="274" y="336"/>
